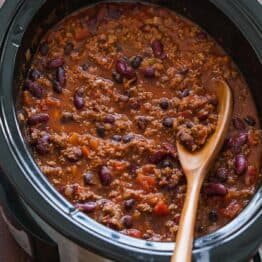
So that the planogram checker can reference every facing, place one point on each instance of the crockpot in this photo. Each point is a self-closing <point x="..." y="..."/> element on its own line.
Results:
<point x="237" y="27"/>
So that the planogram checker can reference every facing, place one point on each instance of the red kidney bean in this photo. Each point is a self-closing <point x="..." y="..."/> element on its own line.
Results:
<point x="157" y="48"/>
<point x="121" y="66"/>
<point x="79" y="100"/>
<point x="43" y="144"/>
<point x="202" y="115"/>
<point x="149" y="72"/>
<point x="157" y="157"/>
<point x="235" y="143"/>
<point x="215" y="189"/>
<point x="127" y="221"/>
<point x="35" y="89"/>
<point x="57" y="87"/>
<point x="88" y="178"/>
<point x="241" y="139"/>
<point x="240" y="164"/>
<point x="238" y="123"/>
<point x="130" y="72"/>
<point x="37" y="119"/>
<point x="142" y="122"/>
<point x="136" y="61"/>
<point x="109" y="119"/>
<point x="105" y="176"/>
<point x="86" y="207"/>
<point x="55" y="63"/>
<point x="68" y="48"/>
<point x="132" y="169"/>
<point x="202" y="35"/>
<point x="129" y="203"/>
<point x="250" y="120"/>
<point x="34" y="74"/>
<point x="222" y="174"/>
<point x="44" y="48"/>
<point x="61" y="76"/>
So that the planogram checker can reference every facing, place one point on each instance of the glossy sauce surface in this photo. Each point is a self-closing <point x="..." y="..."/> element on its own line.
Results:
<point x="109" y="91"/>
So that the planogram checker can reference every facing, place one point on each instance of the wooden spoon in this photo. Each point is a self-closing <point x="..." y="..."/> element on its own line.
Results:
<point x="195" y="166"/>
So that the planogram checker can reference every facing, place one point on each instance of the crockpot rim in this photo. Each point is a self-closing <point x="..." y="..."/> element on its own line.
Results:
<point x="9" y="123"/>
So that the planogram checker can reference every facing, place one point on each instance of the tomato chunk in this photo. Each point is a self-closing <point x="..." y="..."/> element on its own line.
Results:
<point x="161" y="208"/>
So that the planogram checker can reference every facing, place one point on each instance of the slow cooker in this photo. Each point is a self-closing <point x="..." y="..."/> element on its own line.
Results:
<point x="40" y="219"/>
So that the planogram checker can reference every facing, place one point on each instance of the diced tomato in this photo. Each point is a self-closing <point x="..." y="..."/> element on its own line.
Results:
<point x="231" y="210"/>
<point x="147" y="182"/>
<point x="161" y="208"/>
<point x="251" y="176"/>
<point x="85" y="151"/>
<point x="134" y="233"/>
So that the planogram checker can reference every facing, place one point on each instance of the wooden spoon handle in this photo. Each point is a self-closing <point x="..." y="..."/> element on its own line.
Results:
<point x="185" y="235"/>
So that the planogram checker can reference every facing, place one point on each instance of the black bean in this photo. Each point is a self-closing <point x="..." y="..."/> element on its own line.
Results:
<point x="43" y="144"/>
<point x="79" y="100"/>
<point x="127" y="221"/>
<point x="149" y="72"/>
<point x="34" y="74"/>
<point x="100" y="130"/>
<point x="37" y="119"/>
<point x="157" y="48"/>
<point x="240" y="164"/>
<point x="105" y="176"/>
<point x="67" y="117"/>
<point x="127" y="138"/>
<point x="87" y="207"/>
<point x="55" y="63"/>
<point x="88" y="178"/>
<point x="166" y="162"/>
<point x="44" y="48"/>
<point x="117" y="138"/>
<point x="109" y="119"/>
<point x="168" y="122"/>
<point x="118" y="78"/>
<point x="222" y="174"/>
<point x="212" y="216"/>
<point x="164" y="104"/>
<point x="215" y="189"/>
<point x="85" y="66"/>
<point x="61" y="76"/>
<point x="129" y="203"/>
<point x="136" y="61"/>
<point x="57" y="87"/>
<point x="238" y="123"/>
<point x="250" y="120"/>
<point x="68" y="48"/>
<point x="35" y="89"/>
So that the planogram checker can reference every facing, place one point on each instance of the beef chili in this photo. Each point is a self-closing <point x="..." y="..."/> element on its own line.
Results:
<point x="110" y="90"/>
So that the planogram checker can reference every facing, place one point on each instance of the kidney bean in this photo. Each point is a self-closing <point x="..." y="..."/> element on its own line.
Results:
<point x="241" y="139"/>
<point x="184" y="93"/>
<point x="44" y="48"/>
<point x="34" y="74"/>
<point x="129" y="203"/>
<point x="57" y="87"/>
<point x="68" y="48"/>
<point x="87" y="207"/>
<point x="222" y="174"/>
<point x="109" y="119"/>
<point x="100" y="130"/>
<point x="132" y="169"/>
<point x="127" y="138"/>
<point x="202" y="115"/>
<point x="149" y="72"/>
<point x="61" y="76"/>
<point x="127" y="221"/>
<point x="212" y="216"/>
<point x="167" y="122"/>
<point x="215" y="189"/>
<point x="37" y="119"/>
<point x="166" y="162"/>
<point x="250" y="120"/>
<point x="88" y="178"/>
<point x="240" y="164"/>
<point x="121" y="66"/>
<point x="164" y="104"/>
<point x="67" y="117"/>
<point x="35" y="89"/>
<point x="238" y="123"/>
<point x="136" y="61"/>
<point x="55" y="63"/>
<point x="42" y="144"/>
<point x="235" y="143"/>
<point x="202" y="35"/>
<point x="157" y="157"/>
<point x="142" y="122"/>
<point x="130" y="72"/>
<point x="118" y="78"/>
<point x="79" y="101"/>
<point x="157" y="48"/>
<point x="105" y="176"/>
<point x="117" y="138"/>
<point x="85" y="66"/>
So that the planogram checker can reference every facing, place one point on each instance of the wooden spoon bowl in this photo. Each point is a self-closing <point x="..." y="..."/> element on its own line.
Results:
<point x="195" y="166"/>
